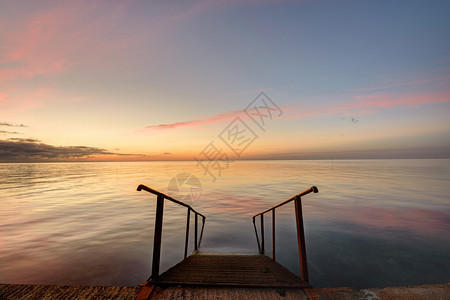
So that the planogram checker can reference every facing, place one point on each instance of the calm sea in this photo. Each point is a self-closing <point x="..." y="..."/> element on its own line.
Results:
<point x="374" y="223"/>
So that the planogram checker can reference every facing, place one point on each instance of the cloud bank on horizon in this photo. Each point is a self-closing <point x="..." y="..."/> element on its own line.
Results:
<point x="152" y="77"/>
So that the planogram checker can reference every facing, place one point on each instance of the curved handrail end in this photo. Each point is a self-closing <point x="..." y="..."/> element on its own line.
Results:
<point x="315" y="189"/>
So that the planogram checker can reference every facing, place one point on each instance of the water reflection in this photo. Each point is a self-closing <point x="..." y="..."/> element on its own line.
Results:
<point x="374" y="223"/>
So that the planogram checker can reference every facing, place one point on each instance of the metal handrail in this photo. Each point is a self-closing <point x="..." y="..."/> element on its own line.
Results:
<point x="300" y="230"/>
<point x="305" y="192"/>
<point x="158" y="227"/>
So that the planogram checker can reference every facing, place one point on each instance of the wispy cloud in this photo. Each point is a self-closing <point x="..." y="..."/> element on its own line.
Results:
<point x="405" y="83"/>
<point x="49" y="40"/>
<point x="11" y="125"/>
<point x="9" y="132"/>
<point x="359" y="105"/>
<point x="366" y="104"/>
<point x="3" y="97"/>
<point x="7" y="124"/>
<point x="216" y="118"/>
<point x="28" y="140"/>
<point x="53" y="38"/>
<point x="391" y="100"/>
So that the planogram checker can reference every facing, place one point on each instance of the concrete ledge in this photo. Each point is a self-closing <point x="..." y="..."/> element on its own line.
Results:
<point x="432" y="292"/>
<point x="429" y="291"/>
<point x="23" y="291"/>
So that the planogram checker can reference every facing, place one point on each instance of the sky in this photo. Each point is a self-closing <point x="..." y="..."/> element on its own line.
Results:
<point x="184" y="80"/>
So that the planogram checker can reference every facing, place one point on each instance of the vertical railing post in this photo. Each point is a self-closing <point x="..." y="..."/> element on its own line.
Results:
<point x="186" y="242"/>
<point x="256" y="233"/>
<point x="196" y="229"/>
<point x="273" y="234"/>
<point x="157" y="237"/>
<point x="201" y="232"/>
<point x="262" y="234"/>
<point x="301" y="239"/>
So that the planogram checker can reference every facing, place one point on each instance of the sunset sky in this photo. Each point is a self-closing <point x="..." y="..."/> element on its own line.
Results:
<point x="162" y="80"/>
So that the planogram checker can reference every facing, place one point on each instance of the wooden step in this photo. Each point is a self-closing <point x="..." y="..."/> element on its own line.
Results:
<point x="230" y="270"/>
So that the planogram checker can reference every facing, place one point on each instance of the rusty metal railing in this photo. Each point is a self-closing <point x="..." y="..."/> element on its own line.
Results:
<point x="158" y="227"/>
<point x="300" y="231"/>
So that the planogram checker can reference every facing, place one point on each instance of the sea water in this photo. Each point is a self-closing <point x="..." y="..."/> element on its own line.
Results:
<point x="374" y="223"/>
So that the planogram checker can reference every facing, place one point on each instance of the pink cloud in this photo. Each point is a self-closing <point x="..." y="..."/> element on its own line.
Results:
<point x="28" y="48"/>
<point x="3" y="97"/>
<point x="49" y="41"/>
<point x="371" y="103"/>
<point x="387" y="100"/>
<point x="366" y="104"/>
<point x="216" y="118"/>
<point x="405" y="83"/>
<point x="363" y="104"/>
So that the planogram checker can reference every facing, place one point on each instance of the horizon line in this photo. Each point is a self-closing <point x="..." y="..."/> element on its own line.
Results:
<point x="231" y="161"/>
